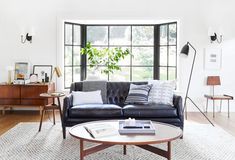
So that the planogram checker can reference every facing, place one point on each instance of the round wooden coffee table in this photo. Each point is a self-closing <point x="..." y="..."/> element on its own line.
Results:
<point x="165" y="133"/>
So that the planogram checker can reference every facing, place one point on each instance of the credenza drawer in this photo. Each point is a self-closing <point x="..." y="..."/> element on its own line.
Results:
<point x="10" y="91"/>
<point x="9" y="101"/>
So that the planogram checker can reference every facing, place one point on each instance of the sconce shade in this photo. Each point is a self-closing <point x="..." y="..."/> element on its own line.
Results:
<point x="58" y="71"/>
<point x="213" y="80"/>
<point x="185" y="49"/>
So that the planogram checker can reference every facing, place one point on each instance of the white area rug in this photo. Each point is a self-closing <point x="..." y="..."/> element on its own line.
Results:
<point x="200" y="142"/>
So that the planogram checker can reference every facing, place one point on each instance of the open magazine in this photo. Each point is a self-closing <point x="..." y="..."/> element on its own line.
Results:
<point x="100" y="130"/>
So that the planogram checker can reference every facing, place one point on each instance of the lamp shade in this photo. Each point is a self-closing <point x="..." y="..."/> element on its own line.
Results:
<point x="213" y="80"/>
<point x="58" y="72"/>
<point x="185" y="49"/>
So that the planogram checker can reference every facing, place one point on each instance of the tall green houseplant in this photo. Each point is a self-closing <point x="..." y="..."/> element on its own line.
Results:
<point x="108" y="57"/>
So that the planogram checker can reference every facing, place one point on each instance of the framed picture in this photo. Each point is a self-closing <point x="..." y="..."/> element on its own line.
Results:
<point x="21" y="71"/>
<point x="44" y="72"/>
<point x="213" y="59"/>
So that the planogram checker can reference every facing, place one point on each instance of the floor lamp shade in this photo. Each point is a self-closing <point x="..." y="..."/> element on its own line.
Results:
<point x="185" y="49"/>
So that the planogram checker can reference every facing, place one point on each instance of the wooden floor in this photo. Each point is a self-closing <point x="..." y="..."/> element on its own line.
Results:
<point x="14" y="117"/>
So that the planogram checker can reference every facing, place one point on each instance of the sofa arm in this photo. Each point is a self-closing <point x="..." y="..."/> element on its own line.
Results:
<point x="68" y="103"/>
<point x="177" y="102"/>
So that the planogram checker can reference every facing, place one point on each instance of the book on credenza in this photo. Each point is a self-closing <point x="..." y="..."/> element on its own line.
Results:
<point x="100" y="130"/>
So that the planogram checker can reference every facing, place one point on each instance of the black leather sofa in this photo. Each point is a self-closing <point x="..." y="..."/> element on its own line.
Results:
<point x="116" y="109"/>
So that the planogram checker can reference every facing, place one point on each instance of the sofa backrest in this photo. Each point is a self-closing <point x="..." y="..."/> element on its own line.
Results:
<point x="116" y="91"/>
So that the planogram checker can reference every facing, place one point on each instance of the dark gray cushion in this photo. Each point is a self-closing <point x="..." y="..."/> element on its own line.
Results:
<point x="96" y="111"/>
<point x="149" y="111"/>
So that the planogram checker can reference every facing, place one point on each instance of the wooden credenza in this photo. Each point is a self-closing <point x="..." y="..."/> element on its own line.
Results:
<point x="24" y="95"/>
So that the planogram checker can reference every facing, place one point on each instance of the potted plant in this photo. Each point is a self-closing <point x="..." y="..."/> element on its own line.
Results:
<point x="109" y="57"/>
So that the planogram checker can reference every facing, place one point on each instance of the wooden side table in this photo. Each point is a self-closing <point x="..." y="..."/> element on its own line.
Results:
<point x="218" y="97"/>
<point x="52" y="106"/>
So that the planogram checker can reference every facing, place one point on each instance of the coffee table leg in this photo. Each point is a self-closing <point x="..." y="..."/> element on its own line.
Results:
<point x="81" y="150"/>
<point x="169" y="150"/>
<point x="124" y="149"/>
<point x="158" y="151"/>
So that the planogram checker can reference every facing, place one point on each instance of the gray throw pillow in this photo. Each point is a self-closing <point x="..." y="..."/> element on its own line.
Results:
<point x="138" y="94"/>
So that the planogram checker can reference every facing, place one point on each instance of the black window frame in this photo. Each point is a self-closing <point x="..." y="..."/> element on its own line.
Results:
<point x="156" y="49"/>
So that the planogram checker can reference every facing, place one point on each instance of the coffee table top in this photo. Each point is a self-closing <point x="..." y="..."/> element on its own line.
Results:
<point x="164" y="133"/>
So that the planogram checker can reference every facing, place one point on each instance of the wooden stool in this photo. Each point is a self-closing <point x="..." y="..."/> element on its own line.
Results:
<point x="218" y="97"/>
<point x="52" y="106"/>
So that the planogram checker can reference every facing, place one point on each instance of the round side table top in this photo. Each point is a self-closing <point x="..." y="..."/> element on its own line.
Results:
<point x="52" y="95"/>
<point x="164" y="133"/>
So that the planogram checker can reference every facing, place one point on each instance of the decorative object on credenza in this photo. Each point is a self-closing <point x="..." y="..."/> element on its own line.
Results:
<point x="185" y="51"/>
<point x="57" y="72"/>
<point x="21" y="81"/>
<point x="215" y="36"/>
<point x="213" y="58"/>
<point x="44" y="72"/>
<point x="22" y="71"/>
<point x="213" y="81"/>
<point x="10" y="70"/>
<point x="33" y="78"/>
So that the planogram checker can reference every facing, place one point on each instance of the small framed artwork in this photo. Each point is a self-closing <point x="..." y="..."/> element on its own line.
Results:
<point x="213" y="59"/>
<point x="21" y="70"/>
<point x="44" y="72"/>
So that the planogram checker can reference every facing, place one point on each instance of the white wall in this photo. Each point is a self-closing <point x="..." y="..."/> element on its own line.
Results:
<point x="193" y="16"/>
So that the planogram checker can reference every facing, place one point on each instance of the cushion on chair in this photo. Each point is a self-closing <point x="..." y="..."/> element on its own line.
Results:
<point x="149" y="111"/>
<point x="96" y="111"/>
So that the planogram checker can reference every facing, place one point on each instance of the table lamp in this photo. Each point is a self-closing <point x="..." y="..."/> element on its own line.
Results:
<point x="213" y="81"/>
<point x="56" y="71"/>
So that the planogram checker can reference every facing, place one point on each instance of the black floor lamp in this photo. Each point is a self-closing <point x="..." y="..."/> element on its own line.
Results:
<point x="185" y="51"/>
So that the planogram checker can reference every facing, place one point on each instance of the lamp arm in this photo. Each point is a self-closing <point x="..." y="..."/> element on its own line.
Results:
<point x="52" y="75"/>
<point x="191" y="72"/>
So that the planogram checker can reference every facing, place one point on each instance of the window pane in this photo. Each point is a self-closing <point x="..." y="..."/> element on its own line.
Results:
<point x="97" y="35"/>
<point x="163" y="56"/>
<point x="68" y="56"/>
<point x="68" y="76"/>
<point x="126" y="61"/>
<point x="142" y="35"/>
<point x="171" y="73"/>
<point x="99" y="48"/>
<point x="77" y="35"/>
<point x="163" y="73"/>
<point x="163" y="35"/>
<point x="120" y="35"/>
<point x="76" y="74"/>
<point x="76" y="55"/>
<point x="90" y="73"/>
<point x="142" y="56"/>
<point x="172" y="34"/>
<point x="68" y="34"/>
<point x="142" y="73"/>
<point x="122" y="75"/>
<point x="172" y="56"/>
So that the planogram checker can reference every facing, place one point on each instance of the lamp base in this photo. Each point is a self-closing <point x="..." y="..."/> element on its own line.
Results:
<point x="198" y="109"/>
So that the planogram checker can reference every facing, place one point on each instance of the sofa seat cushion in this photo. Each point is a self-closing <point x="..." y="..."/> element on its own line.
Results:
<point x="149" y="111"/>
<point x="95" y="111"/>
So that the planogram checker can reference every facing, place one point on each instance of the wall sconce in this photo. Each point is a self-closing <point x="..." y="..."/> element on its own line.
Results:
<point x="27" y="37"/>
<point x="215" y="37"/>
